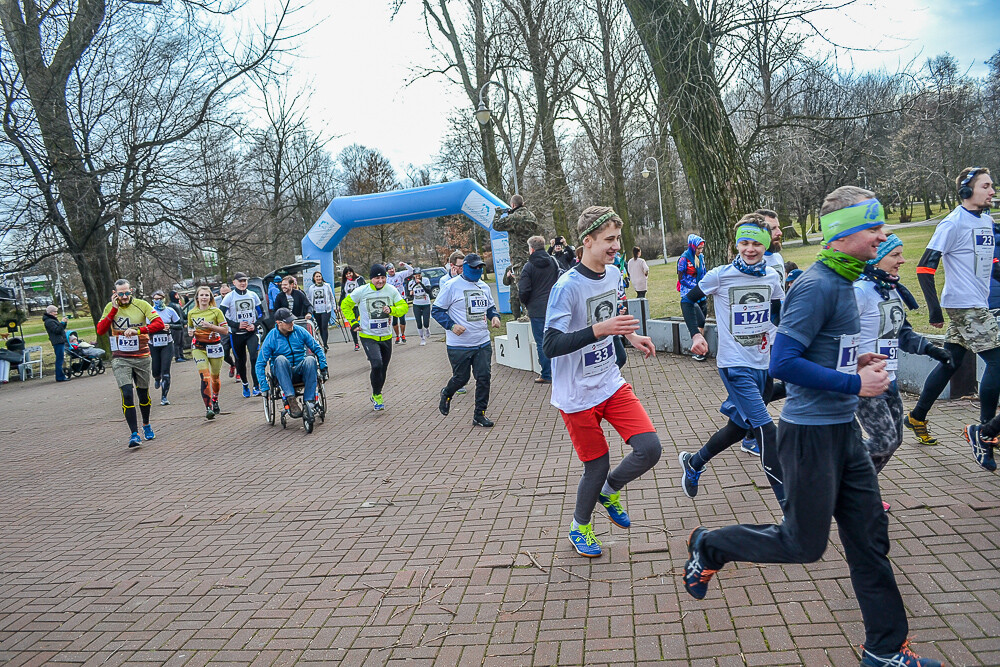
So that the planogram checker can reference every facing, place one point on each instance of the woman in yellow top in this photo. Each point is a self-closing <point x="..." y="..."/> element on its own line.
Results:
<point x="207" y="325"/>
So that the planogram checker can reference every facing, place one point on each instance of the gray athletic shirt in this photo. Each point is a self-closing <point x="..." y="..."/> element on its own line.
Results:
<point x="820" y="312"/>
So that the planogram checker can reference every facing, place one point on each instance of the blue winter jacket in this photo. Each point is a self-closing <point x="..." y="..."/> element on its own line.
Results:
<point x="292" y="347"/>
<point x="690" y="267"/>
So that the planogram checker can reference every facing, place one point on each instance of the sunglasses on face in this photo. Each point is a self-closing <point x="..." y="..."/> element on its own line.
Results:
<point x="129" y="293"/>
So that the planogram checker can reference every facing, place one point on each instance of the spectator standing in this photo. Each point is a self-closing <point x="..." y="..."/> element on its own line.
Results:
<point x="520" y="224"/>
<point x="639" y="272"/>
<point x="690" y="270"/>
<point x="56" y="330"/>
<point x="293" y="299"/>
<point x="564" y="254"/>
<point x="177" y="327"/>
<point x="539" y="274"/>
<point x="273" y="290"/>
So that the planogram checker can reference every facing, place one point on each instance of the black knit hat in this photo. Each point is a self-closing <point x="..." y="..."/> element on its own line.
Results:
<point x="376" y="270"/>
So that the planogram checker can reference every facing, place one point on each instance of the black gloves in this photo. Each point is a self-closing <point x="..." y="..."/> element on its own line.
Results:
<point x="325" y="372"/>
<point x="940" y="354"/>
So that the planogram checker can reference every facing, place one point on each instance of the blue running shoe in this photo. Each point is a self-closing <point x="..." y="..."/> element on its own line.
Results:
<point x="147" y="432"/>
<point x="616" y="512"/>
<point x="696" y="575"/>
<point x="904" y="657"/>
<point x="246" y="391"/>
<point x="690" y="480"/>
<point x="255" y="392"/>
<point x="982" y="449"/>
<point x="750" y="445"/>
<point x="134" y="441"/>
<point x="585" y="542"/>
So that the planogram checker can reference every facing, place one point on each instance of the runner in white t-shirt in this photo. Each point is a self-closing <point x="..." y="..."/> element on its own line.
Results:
<point x="463" y="307"/>
<point x="587" y="384"/>
<point x="748" y="297"/>
<point x="349" y="281"/>
<point x="772" y="258"/>
<point x="398" y="280"/>
<point x="964" y="241"/>
<point x="419" y="289"/>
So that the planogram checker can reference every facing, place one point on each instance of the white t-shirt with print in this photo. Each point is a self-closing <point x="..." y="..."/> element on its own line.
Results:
<point x="321" y="297"/>
<point x="420" y="291"/>
<point x="370" y="302"/>
<point x="398" y="280"/>
<point x="881" y="320"/>
<point x="241" y="307"/>
<point x="589" y="376"/>
<point x="775" y="261"/>
<point x="743" y="313"/>
<point x="966" y="245"/>
<point x="466" y="303"/>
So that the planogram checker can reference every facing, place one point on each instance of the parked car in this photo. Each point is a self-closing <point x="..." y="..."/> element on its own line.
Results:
<point x="435" y="274"/>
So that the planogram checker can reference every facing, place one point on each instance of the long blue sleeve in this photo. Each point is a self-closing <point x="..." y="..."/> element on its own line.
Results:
<point x="441" y="316"/>
<point x="492" y="312"/>
<point x="788" y="364"/>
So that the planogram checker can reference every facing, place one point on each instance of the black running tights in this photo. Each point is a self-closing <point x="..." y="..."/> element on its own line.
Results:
<point x="989" y="389"/>
<point x="128" y="405"/>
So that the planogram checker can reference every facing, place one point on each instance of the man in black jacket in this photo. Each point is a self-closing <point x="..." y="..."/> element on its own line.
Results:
<point x="293" y="299"/>
<point x="57" y="336"/>
<point x="538" y="276"/>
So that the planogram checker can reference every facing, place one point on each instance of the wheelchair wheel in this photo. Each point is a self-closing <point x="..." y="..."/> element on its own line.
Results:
<point x="284" y="422"/>
<point x="321" y="403"/>
<point x="308" y="417"/>
<point x="268" y="407"/>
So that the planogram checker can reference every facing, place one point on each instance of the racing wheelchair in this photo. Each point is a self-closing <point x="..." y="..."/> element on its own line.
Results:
<point x="274" y="404"/>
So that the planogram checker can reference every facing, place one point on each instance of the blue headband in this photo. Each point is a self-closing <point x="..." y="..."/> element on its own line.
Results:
<point x="891" y="243"/>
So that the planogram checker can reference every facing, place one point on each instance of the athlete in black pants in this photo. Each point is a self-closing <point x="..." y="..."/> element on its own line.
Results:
<point x="243" y="312"/>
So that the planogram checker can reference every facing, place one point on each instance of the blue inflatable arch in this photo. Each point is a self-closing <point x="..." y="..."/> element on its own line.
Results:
<point x="430" y="201"/>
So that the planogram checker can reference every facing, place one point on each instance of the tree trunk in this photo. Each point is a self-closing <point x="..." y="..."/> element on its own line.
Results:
<point x="665" y="156"/>
<point x="677" y="41"/>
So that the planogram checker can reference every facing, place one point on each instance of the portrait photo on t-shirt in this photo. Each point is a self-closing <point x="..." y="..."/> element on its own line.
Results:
<point x="376" y="308"/>
<point x="601" y="307"/>
<point x="890" y="318"/>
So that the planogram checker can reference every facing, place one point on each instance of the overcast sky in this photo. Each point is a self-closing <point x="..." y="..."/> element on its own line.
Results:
<point x="358" y="62"/>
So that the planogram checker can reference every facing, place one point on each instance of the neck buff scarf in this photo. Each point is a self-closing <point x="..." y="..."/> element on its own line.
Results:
<point x="885" y="282"/>
<point x="757" y="269"/>
<point x="471" y="274"/>
<point x="844" y="265"/>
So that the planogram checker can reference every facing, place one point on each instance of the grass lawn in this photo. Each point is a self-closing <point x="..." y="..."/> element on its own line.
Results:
<point x="34" y="334"/>
<point x="664" y="301"/>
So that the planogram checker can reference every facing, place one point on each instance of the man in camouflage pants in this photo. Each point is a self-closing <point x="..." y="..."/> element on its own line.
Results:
<point x="519" y="223"/>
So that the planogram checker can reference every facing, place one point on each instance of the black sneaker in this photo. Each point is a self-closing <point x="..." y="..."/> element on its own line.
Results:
<point x="445" y="405"/>
<point x="480" y="419"/>
<point x="209" y="414"/>
<point x="696" y="575"/>
<point x="690" y="480"/>
<point x="215" y="407"/>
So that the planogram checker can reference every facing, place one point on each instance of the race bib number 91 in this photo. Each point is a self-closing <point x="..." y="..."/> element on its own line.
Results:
<point x="890" y="348"/>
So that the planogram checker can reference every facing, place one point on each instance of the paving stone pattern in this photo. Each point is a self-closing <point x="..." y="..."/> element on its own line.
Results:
<point x="405" y="536"/>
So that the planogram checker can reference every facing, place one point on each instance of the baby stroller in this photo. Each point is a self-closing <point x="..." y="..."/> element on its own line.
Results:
<point x="82" y="357"/>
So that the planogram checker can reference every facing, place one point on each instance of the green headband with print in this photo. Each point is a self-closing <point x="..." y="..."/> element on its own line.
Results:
<point x="852" y="219"/>
<point x="754" y="233"/>
<point x="597" y="223"/>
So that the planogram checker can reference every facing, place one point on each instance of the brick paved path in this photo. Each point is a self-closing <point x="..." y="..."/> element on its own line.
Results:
<point x="365" y="543"/>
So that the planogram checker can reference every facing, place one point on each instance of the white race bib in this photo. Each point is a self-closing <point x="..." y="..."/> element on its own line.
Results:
<point x="985" y="244"/>
<point x="476" y="305"/>
<point x="214" y="350"/>
<point x="379" y="327"/>
<point x="847" y="355"/>
<point x="598" y="357"/>
<point x="126" y="343"/>
<point x="890" y="348"/>
<point x="751" y="319"/>
<point x="160" y="340"/>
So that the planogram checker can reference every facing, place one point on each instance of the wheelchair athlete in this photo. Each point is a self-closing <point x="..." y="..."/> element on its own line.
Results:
<point x="285" y="347"/>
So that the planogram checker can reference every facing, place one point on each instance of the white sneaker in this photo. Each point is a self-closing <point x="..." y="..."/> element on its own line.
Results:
<point x="423" y="341"/>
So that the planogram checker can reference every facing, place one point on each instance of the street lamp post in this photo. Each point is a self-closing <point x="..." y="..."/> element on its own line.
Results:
<point x="483" y="115"/>
<point x="659" y="198"/>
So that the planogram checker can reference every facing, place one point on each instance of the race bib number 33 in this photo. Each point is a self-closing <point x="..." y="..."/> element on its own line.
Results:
<point x="598" y="357"/>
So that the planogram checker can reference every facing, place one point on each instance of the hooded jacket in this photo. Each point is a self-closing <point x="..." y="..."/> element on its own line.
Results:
<point x="690" y="266"/>
<point x="539" y="274"/>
